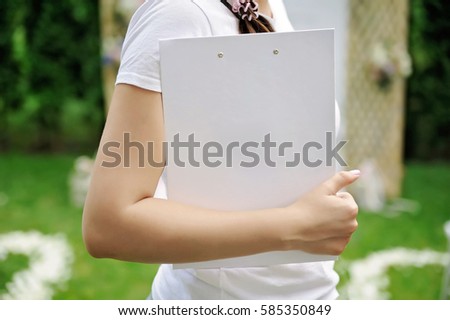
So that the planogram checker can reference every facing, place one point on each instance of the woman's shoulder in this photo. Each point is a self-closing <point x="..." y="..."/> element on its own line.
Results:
<point x="163" y="19"/>
<point x="172" y="14"/>
<point x="153" y="21"/>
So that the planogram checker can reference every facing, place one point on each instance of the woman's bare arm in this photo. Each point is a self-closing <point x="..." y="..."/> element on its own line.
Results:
<point x="122" y="220"/>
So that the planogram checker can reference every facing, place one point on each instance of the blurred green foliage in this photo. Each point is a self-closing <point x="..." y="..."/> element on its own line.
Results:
<point x="50" y="75"/>
<point x="428" y="98"/>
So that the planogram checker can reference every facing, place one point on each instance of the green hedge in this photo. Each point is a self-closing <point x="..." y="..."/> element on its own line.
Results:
<point x="50" y="75"/>
<point x="428" y="97"/>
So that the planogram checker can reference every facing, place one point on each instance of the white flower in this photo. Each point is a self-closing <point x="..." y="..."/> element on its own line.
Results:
<point x="380" y="56"/>
<point x="388" y="62"/>
<point x="404" y="61"/>
<point x="50" y="259"/>
<point x="369" y="279"/>
<point x="79" y="180"/>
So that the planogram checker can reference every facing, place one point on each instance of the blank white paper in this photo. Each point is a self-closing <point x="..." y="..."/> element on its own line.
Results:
<point x="238" y="89"/>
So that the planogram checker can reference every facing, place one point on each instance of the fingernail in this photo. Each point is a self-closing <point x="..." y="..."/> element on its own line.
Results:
<point x="355" y="172"/>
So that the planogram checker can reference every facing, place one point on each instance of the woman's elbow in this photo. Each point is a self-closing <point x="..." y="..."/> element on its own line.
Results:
<point x="95" y="234"/>
<point x="93" y="243"/>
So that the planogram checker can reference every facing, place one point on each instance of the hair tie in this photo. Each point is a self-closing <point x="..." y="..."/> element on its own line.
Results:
<point x="245" y="9"/>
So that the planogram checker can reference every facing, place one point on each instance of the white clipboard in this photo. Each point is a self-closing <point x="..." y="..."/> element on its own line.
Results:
<point x="237" y="89"/>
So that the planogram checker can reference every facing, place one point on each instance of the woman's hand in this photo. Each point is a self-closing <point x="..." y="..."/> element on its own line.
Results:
<point x="323" y="220"/>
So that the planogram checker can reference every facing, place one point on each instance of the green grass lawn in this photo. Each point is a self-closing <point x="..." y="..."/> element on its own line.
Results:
<point x="36" y="189"/>
<point x="429" y="186"/>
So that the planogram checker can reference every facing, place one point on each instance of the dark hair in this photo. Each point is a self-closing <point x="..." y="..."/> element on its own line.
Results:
<point x="257" y="24"/>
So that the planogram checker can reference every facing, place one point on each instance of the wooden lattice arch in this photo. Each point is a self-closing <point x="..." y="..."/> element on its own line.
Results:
<point x="375" y="114"/>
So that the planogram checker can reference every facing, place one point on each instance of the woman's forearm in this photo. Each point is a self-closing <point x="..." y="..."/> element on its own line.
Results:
<point x="162" y="231"/>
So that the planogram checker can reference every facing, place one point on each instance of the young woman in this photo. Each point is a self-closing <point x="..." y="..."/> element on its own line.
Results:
<point x="127" y="215"/>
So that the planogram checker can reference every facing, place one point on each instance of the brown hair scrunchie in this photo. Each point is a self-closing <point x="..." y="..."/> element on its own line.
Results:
<point x="250" y="21"/>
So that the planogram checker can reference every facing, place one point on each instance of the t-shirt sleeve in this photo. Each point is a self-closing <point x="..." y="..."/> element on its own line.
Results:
<point x="153" y="21"/>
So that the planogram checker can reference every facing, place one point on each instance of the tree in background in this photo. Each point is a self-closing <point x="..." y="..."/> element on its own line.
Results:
<point x="11" y="88"/>
<point x="50" y="92"/>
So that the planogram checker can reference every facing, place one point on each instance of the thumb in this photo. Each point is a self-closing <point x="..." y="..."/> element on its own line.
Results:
<point x="339" y="180"/>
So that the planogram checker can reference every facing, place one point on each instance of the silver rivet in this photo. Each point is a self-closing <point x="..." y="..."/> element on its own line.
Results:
<point x="276" y="51"/>
<point x="220" y="55"/>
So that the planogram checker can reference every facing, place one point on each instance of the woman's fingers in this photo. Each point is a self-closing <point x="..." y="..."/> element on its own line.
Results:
<point x="331" y="246"/>
<point x="339" y="181"/>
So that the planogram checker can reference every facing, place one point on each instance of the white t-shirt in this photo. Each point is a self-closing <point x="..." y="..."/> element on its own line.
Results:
<point x="160" y="19"/>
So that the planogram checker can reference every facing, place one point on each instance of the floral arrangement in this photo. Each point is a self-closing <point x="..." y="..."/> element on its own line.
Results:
<point x="369" y="279"/>
<point x="50" y="260"/>
<point x="388" y="63"/>
<point x="79" y="180"/>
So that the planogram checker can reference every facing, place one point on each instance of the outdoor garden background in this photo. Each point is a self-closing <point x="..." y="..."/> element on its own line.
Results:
<point x="55" y="58"/>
